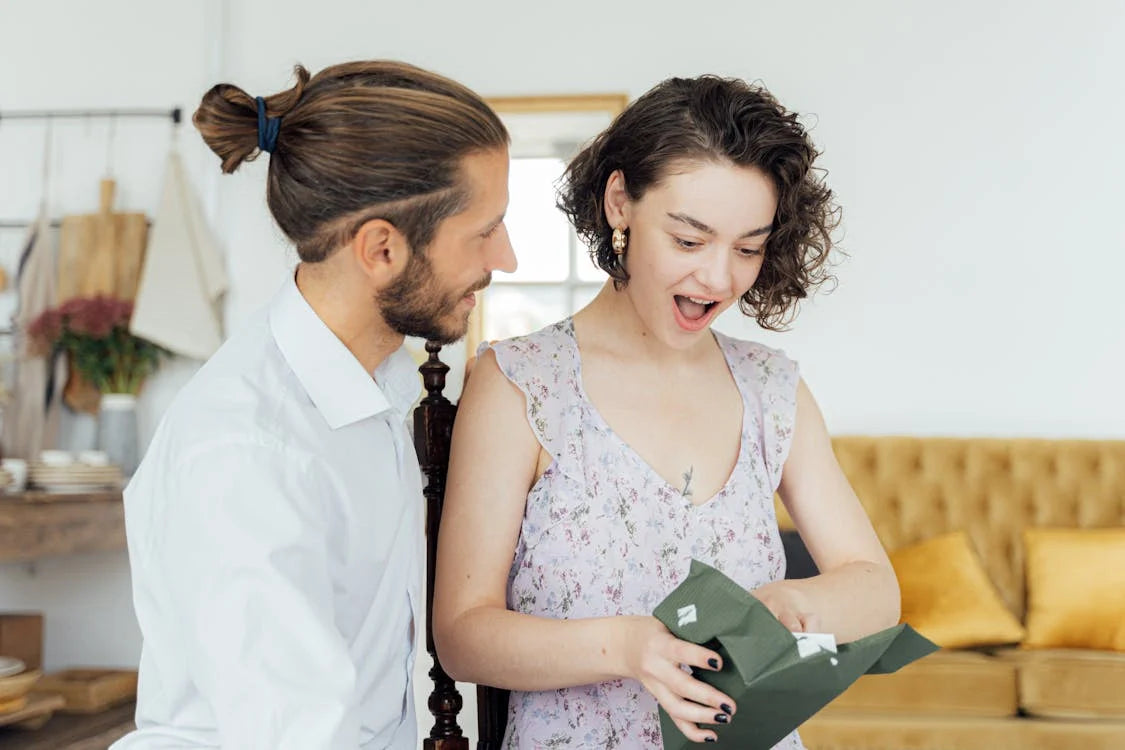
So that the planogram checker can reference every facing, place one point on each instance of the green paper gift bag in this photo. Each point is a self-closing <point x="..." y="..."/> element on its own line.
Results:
<point x="775" y="687"/>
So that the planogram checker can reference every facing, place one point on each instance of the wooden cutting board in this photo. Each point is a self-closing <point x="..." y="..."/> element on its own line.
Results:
<point x="35" y="714"/>
<point x="102" y="253"/>
<point x="99" y="253"/>
<point x="18" y="684"/>
<point x="91" y="690"/>
<point x="12" y="705"/>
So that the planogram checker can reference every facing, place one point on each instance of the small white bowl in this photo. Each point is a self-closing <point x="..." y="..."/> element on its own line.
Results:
<point x="56" y="458"/>
<point x="93" y="458"/>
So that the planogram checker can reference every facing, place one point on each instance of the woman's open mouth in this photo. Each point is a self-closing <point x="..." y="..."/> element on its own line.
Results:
<point x="694" y="313"/>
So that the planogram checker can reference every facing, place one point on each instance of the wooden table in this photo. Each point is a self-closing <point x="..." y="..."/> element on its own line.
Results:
<point x="73" y="731"/>
<point x="40" y="524"/>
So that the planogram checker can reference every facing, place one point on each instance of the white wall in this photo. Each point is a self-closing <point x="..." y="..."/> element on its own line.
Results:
<point x="976" y="149"/>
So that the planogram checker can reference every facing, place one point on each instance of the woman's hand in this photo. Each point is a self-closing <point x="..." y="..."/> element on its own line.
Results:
<point x="790" y="605"/>
<point x="653" y="656"/>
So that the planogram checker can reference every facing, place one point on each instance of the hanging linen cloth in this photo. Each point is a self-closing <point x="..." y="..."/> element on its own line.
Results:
<point x="183" y="278"/>
<point x="31" y="419"/>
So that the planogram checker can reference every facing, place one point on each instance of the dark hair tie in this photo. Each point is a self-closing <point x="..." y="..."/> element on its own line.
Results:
<point x="268" y="128"/>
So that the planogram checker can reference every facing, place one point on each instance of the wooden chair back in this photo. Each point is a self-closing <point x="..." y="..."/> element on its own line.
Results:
<point x="433" y="430"/>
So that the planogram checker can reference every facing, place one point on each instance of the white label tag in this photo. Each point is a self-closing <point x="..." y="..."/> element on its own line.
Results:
<point x="810" y="644"/>
<point x="686" y="615"/>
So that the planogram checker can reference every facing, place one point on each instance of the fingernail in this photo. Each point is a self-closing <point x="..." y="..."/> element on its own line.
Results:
<point x="709" y="738"/>
<point x="726" y="708"/>
<point x="721" y="718"/>
<point x="713" y="663"/>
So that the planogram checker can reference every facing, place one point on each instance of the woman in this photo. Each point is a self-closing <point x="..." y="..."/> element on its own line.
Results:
<point x="610" y="449"/>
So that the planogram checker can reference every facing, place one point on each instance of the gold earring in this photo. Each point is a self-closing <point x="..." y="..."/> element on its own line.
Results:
<point x="619" y="241"/>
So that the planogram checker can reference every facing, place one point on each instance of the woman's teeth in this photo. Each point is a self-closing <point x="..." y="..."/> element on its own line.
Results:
<point x="693" y="308"/>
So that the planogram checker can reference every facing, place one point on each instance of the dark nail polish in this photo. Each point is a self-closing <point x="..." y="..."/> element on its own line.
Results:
<point x="713" y="663"/>
<point x="709" y="738"/>
<point x="721" y="718"/>
<point x="726" y="708"/>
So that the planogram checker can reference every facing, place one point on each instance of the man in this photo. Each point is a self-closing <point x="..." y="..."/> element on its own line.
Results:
<point x="275" y="525"/>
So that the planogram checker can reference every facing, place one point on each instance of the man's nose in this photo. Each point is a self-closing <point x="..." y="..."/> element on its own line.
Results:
<point x="502" y="257"/>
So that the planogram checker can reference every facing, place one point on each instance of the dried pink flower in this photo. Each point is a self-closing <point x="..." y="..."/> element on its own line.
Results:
<point x="94" y="331"/>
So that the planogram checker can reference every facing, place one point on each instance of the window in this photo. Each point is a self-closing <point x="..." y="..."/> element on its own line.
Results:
<point x="556" y="276"/>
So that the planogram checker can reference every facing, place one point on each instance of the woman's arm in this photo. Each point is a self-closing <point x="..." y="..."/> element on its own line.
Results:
<point x="856" y="593"/>
<point x="493" y="465"/>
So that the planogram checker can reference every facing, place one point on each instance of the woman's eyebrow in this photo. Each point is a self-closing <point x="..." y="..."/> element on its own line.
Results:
<point x="697" y="224"/>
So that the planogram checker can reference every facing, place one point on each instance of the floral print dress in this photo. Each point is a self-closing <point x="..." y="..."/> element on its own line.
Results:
<point x="603" y="534"/>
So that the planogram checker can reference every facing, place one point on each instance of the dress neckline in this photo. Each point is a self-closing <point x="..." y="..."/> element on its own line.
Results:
<point x="567" y="326"/>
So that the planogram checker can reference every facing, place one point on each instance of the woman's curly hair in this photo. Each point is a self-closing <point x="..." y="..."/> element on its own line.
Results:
<point x="714" y="119"/>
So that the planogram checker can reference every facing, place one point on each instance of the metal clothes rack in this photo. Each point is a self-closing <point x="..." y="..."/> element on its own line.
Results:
<point x="92" y="114"/>
<point x="175" y="114"/>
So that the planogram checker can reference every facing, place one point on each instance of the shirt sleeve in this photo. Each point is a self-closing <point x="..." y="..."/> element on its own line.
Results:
<point x="242" y="541"/>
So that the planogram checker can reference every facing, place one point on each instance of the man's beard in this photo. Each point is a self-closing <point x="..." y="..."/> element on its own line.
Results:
<point x="414" y="304"/>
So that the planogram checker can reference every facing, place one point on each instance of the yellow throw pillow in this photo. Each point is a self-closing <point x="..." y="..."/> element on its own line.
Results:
<point x="948" y="597"/>
<point x="1075" y="588"/>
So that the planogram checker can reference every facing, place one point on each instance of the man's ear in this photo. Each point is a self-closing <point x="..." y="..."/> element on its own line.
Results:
<point x="616" y="201"/>
<point x="380" y="250"/>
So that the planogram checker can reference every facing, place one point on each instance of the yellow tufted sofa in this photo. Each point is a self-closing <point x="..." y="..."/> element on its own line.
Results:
<point x="917" y="488"/>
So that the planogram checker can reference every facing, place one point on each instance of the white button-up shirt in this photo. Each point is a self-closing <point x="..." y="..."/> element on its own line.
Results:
<point x="276" y="544"/>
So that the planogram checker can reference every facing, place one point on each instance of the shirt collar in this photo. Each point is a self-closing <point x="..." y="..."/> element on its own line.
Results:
<point x="334" y="379"/>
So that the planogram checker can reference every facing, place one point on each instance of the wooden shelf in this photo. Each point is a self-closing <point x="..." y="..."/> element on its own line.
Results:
<point x="40" y="524"/>
<point x="73" y="731"/>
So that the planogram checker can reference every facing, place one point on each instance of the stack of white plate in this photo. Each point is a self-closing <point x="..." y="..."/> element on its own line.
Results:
<point x="10" y="665"/>
<point x="76" y="477"/>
